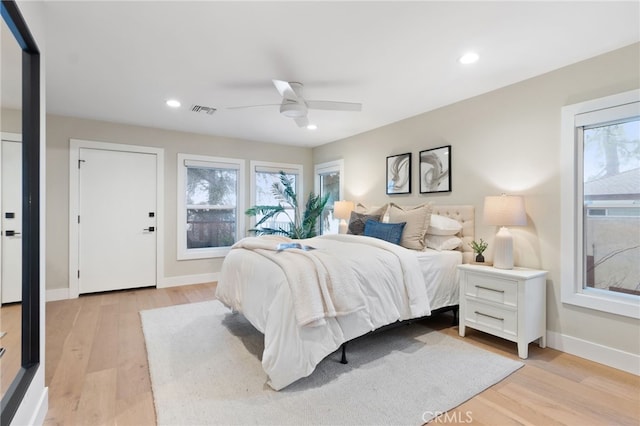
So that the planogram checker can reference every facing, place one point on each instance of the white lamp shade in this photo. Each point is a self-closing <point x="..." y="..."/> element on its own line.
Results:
<point x="504" y="210"/>
<point x="343" y="209"/>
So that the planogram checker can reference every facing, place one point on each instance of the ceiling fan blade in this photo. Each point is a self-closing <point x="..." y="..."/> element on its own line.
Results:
<point x="285" y="89"/>
<point x="302" y="121"/>
<point x="251" y="106"/>
<point x="334" y="106"/>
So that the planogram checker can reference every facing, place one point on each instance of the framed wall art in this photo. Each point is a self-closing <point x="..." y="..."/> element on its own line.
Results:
<point x="435" y="170"/>
<point x="399" y="174"/>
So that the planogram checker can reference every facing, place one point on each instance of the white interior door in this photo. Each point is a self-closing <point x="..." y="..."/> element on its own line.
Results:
<point x="117" y="220"/>
<point x="11" y="199"/>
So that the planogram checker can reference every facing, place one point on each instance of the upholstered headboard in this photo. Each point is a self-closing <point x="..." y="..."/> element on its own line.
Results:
<point x="465" y="214"/>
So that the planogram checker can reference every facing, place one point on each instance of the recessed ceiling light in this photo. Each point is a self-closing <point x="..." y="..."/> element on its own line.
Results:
<point x="173" y="103"/>
<point x="469" y="58"/>
<point x="312" y="126"/>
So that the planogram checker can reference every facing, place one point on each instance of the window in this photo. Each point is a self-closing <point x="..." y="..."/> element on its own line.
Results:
<point x="329" y="180"/>
<point x="601" y="209"/>
<point x="210" y="207"/>
<point x="263" y="176"/>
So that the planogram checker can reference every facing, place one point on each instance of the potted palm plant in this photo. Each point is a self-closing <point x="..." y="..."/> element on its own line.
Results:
<point x="303" y="224"/>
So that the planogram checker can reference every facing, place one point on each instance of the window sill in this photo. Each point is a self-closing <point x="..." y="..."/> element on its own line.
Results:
<point x="617" y="304"/>
<point x="208" y="253"/>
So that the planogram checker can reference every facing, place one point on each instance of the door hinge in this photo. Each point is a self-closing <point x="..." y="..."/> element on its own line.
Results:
<point x="78" y="273"/>
<point x="80" y="161"/>
<point x="78" y="218"/>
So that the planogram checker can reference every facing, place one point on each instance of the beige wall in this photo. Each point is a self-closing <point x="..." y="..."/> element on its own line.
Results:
<point x="504" y="141"/>
<point x="11" y="120"/>
<point x="61" y="129"/>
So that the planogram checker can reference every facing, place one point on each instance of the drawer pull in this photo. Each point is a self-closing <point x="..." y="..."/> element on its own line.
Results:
<point x="490" y="316"/>
<point x="491" y="289"/>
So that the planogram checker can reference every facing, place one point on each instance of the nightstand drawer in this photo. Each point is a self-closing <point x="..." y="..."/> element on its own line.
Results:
<point x="498" y="290"/>
<point x="492" y="319"/>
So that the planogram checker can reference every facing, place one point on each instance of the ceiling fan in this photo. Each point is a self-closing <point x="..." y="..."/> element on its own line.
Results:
<point x="295" y="106"/>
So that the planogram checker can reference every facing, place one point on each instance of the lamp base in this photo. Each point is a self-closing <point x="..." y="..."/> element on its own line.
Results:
<point x="342" y="228"/>
<point x="503" y="251"/>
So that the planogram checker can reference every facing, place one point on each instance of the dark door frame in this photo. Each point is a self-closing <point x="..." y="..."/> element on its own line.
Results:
<point x="30" y="361"/>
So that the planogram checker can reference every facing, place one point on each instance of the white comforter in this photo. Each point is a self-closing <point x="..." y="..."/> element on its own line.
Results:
<point x="363" y="284"/>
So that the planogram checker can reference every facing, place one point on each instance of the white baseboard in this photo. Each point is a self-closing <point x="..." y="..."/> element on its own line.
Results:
<point x="611" y="357"/>
<point x="63" y="293"/>
<point x="57" y="294"/>
<point x="34" y="405"/>
<point x="188" y="280"/>
<point x="41" y="410"/>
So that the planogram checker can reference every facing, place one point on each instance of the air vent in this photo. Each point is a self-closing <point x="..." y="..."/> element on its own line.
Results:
<point x="203" y="109"/>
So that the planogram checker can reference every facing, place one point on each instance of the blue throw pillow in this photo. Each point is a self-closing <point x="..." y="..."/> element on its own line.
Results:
<point x="391" y="232"/>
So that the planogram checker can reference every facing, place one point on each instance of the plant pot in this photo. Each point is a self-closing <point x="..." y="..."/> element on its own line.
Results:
<point x="479" y="258"/>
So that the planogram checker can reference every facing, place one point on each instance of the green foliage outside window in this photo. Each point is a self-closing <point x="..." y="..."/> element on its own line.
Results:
<point x="302" y="224"/>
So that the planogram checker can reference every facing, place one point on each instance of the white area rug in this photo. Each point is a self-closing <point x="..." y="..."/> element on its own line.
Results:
<point x="205" y="369"/>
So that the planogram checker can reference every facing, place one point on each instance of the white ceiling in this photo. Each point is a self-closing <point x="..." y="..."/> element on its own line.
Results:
<point x="120" y="61"/>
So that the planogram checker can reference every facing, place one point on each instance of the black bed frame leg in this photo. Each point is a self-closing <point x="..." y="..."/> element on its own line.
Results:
<point x="455" y="315"/>
<point x="344" y="354"/>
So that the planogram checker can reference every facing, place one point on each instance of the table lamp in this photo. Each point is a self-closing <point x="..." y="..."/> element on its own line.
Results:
<point x="504" y="210"/>
<point x="342" y="210"/>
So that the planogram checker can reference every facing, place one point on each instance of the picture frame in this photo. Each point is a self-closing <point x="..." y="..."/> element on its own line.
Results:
<point x="435" y="170"/>
<point x="399" y="174"/>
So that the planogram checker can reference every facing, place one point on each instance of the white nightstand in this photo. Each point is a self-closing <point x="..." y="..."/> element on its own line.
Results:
<point x="509" y="303"/>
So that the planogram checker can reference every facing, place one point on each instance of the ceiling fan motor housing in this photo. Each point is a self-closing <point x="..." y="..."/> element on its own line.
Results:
<point x="293" y="109"/>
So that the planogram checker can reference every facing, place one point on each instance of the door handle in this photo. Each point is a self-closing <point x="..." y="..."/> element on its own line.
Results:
<point x="150" y="229"/>
<point x="11" y="233"/>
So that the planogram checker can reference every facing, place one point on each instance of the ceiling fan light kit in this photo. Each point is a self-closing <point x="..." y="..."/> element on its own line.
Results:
<point x="293" y="109"/>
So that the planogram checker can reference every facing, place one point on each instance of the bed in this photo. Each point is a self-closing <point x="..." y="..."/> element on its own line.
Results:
<point x="308" y="303"/>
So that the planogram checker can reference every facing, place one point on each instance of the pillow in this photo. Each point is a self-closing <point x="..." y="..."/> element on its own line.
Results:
<point x="441" y="225"/>
<point x="443" y="242"/>
<point x="391" y="232"/>
<point x="417" y="219"/>
<point x="357" y="221"/>
<point x="380" y="211"/>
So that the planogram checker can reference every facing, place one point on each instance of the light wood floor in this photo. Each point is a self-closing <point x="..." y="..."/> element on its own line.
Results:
<point x="10" y="324"/>
<point x="97" y="372"/>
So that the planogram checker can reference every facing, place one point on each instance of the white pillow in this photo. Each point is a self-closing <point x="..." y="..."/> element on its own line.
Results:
<point x="441" y="225"/>
<point x="443" y="242"/>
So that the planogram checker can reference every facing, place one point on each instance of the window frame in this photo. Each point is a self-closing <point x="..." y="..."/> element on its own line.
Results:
<point x="287" y="168"/>
<point x="328" y="167"/>
<point x="184" y="253"/>
<point x="574" y="118"/>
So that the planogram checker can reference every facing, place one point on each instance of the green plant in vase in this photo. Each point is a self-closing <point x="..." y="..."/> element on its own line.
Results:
<point x="302" y="225"/>
<point x="478" y="249"/>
